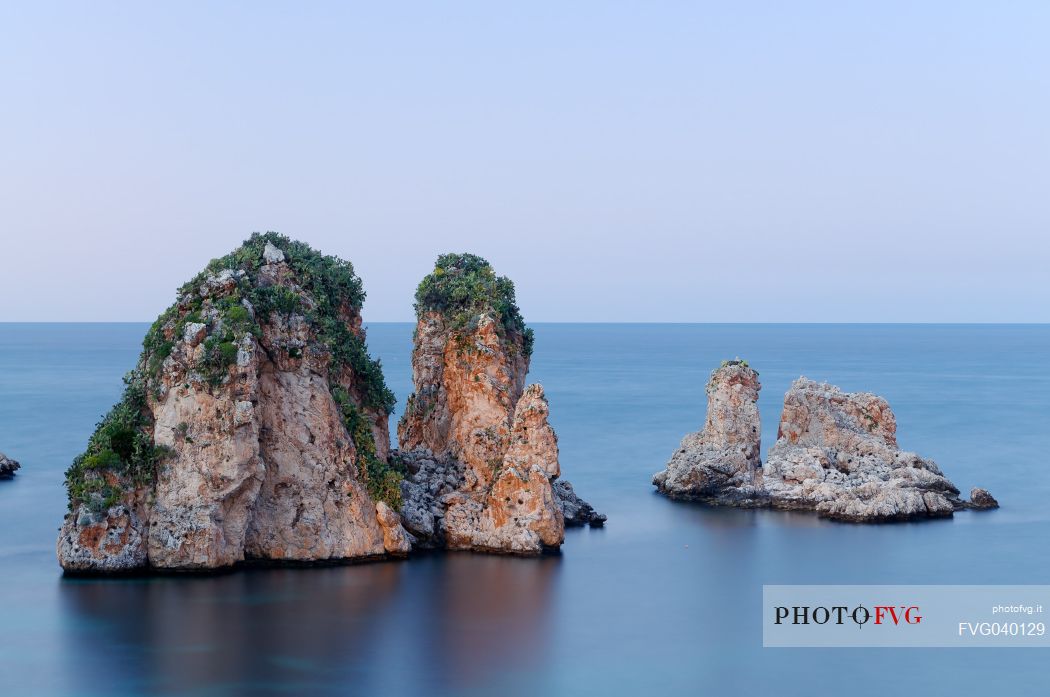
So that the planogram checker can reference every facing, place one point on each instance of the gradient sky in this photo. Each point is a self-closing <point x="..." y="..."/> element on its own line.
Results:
<point x="647" y="161"/>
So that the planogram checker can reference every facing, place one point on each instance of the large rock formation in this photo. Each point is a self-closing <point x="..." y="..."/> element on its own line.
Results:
<point x="477" y="444"/>
<point x="7" y="466"/>
<point x="253" y="427"/>
<point x="721" y="463"/>
<point x="836" y="454"/>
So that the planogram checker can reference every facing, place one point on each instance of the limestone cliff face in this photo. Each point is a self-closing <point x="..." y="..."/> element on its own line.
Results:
<point x="836" y="454"/>
<point x="479" y="449"/>
<point x="517" y="511"/>
<point x="467" y="385"/>
<point x="254" y="427"/>
<point x="721" y="463"/>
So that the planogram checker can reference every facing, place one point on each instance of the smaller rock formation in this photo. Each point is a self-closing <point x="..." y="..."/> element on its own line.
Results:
<point x="8" y="466"/>
<point x="575" y="510"/>
<point x="429" y="480"/>
<point x="396" y="540"/>
<point x="837" y="453"/>
<point x="981" y="500"/>
<point x="479" y="450"/>
<point x="720" y="464"/>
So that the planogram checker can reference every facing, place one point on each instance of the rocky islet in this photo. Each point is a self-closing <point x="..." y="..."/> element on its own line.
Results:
<point x="482" y="456"/>
<point x="254" y="427"/>
<point x="836" y="454"/>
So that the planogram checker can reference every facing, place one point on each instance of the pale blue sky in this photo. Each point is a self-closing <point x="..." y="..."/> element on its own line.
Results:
<point x="744" y="161"/>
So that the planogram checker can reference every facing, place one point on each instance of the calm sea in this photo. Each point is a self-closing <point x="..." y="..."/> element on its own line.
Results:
<point x="663" y="601"/>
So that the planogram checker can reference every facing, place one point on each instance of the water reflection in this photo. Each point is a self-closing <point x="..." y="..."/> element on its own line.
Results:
<point x="385" y="628"/>
<point x="493" y="617"/>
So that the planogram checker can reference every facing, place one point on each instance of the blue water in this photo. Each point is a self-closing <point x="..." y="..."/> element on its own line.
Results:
<point x="664" y="600"/>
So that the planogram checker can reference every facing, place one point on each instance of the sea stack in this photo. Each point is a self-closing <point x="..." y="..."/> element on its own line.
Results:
<point x="254" y="426"/>
<point x="836" y="454"/>
<point x="8" y="466"/>
<point x="721" y="464"/>
<point x="481" y="456"/>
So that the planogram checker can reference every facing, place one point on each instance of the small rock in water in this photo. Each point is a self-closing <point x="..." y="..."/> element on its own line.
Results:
<point x="575" y="510"/>
<point x="981" y="500"/>
<point x="7" y="466"/>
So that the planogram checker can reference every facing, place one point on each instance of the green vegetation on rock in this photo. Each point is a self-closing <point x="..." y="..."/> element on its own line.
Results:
<point x="462" y="287"/>
<point x="230" y="304"/>
<point x="122" y="444"/>
<point x="382" y="479"/>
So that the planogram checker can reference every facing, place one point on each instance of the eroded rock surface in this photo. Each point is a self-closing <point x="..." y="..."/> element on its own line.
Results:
<point x="108" y="540"/>
<point x="574" y="510"/>
<point x="836" y="453"/>
<point x="254" y="427"/>
<point x="467" y="385"/>
<point x="720" y="464"/>
<point x="396" y="540"/>
<point x="980" y="499"/>
<point x="479" y="449"/>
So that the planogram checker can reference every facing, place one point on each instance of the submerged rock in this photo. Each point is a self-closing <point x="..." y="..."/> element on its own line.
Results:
<point x="720" y="464"/>
<point x="8" y="466"/>
<point x="253" y="427"/>
<point x="477" y="443"/>
<point x="836" y="453"/>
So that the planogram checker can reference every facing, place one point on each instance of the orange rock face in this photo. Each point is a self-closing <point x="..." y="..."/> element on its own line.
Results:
<point x="111" y="541"/>
<point x="466" y="390"/>
<point x="470" y="407"/>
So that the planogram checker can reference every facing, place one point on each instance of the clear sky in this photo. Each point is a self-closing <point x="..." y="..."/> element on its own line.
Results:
<point x="647" y="161"/>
